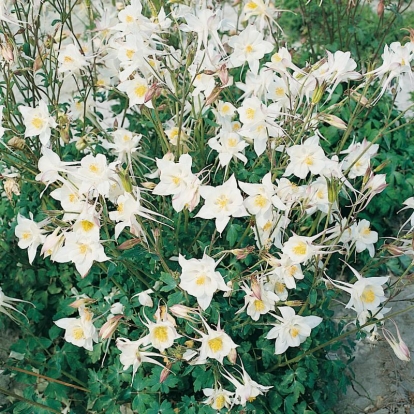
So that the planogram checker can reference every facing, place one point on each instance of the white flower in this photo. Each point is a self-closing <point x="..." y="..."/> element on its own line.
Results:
<point x="305" y="158"/>
<point x="71" y="59"/>
<point x="6" y="303"/>
<point x="247" y="389"/>
<point x="162" y="334"/>
<point x="293" y="329"/>
<point x="200" y="279"/>
<point x="80" y="331"/>
<point x="38" y="121"/>
<point x="137" y="90"/>
<point x="262" y="197"/>
<point x="364" y="237"/>
<point x="218" y="398"/>
<point x="222" y="202"/>
<point x="82" y="251"/>
<point x="249" y="47"/>
<point x="30" y="235"/>
<point x="144" y="298"/>
<point x="125" y="143"/>
<point x="229" y="145"/>
<point x="366" y="293"/>
<point x="215" y="344"/>
<point x="133" y="354"/>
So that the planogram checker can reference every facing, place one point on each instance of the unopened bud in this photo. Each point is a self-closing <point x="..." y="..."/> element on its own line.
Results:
<point x="16" y="143"/>
<point x="357" y="97"/>
<point x="81" y="144"/>
<point x="294" y="303"/>
<point x="125" y="179"/>
<point x="224" y="75"/>
<point x="232" y="356"/>
<point x="382" y="166"/>
<point x="182" y="311"/>
<point x="153" y="91"/>
<point x="213" y="96"/>
<point x="333" y="190"/>
<point x="11" y="187"/>
<point x="255" y="286"/>
<point x="148" y="185"/>
<point x="380" y="8"/>
<point x="129" y="244"/>
<point x="38" y="62"/>
<point x="81" y="302"/>
<point x="109" y="327"/>
<point x="318" y="93"/>
<point x="7" y="52"/>
<point x="393" y="250"/>
<point x="333" y="120"/>
<point x="165" y="373"/>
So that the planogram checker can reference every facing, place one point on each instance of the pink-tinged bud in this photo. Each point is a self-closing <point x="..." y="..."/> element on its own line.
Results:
<point x="271" y="260"/>
<point x="7" y="52"/>
<point x="109" y="327"/>
<point x="333" y="120"/>
<point x="255" y="287"/>
<point x="81" y="302"/>
<point x="232" y="356"/>
<point x="393" y="250"/>
<point x="156" y="233"/>
<point x="224" y="75"/>
<point x="153" y="91"/>
<point x="165" y="373"/>
<point x="182" y="311"/>
<point x="380" y="8"/>
<point x="357" y="97"/>
<point x="169" y="156"/>
<point x="399" y="347"/>
<point x="129" y="244"/>
<point x="242" y="253"/>
<point x="213" y="96"/>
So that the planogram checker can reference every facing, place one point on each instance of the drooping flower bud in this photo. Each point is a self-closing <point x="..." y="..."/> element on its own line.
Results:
<point x="109" y="327"/>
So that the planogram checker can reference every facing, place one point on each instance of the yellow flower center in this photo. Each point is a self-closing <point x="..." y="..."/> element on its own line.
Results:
<point x="251" y="399"/>
<point x="225" y="109"/>
<point x="250" y="112"/>
<point x="222" y="201"/>
<point x="260" y="201"/>
<point x="68" y="59"/>
<point x="120" y="208"/>
<point x="26" y="235"/>
<point x="94" y="168"/>
<point x="201" y="280"/>
<point x="215" y="344"/>
<point x="232" y="142"/>
<point x="280" y="91"/>
<point x="140" y="91"/>
<point x="279" y="287"/>
<point x="126" y="138"/>
<point x="77" y="333"/>
<point x="294" y="332"/>
<point x="309" y="160"/>
<point x="251" y="5"/>
<point x="38" y="122"/>
<point x="267" y="226"/>
<point x="249" y="49"/>
<point x="368" y="296"/>
<point x="292" y="270"/>
<point x="176" y="180"/>
<point x="83" y="248"/>
<point x="300" y="249"/>
<point x="259" y="305"/>
<point x="129" y="19"/>
<point x="366" y="231"/>
<point x="130" y="53"/>
<point x="276" y="58"/>
<point x="72" y="198"/>
<point x="220" y="401"/>
<point x="161" y="333"/>
<point x="87" y="225"/>
<point x="320" y="194"/>
<point x="236" y="126"/>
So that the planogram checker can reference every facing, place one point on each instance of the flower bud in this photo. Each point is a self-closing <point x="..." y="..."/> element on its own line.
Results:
<point x="333" y="120"/>
<point x="399" y="347"/>
<point x="380" y="8"/>
<point x="149" y="185"/>
<point x="232" y="356"/>
<point x="81" y="302"/>
<point x="144" y="298"/>
<point x="318" y="93"/>
<point x="129" y="244"/>
<point x="7" y="52"/>
<point x="109" y="327"/>
<point x="16" y="143"/>
<point x="182" y="311"/>
<point x="11" y="187"/>
<point x="81" y="144"/>
<point x="213" y="96"/>
<point x="393" y="250"/>
<point x="117" y="308"/>
<point x="357" y="97"/>
<point x="165" y="373"/>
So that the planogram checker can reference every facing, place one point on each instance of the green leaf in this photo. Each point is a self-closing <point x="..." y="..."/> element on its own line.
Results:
<point x="169" y="280"/>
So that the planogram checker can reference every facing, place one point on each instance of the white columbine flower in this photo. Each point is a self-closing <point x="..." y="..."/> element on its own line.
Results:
<point x="71" y="59"/>
<point x="38" y="121"/>
<point x="293" y="329"/>
<point x="30" y="235"/>
<point x="200" y="279"/>
<point x="80" y="331"/>
<point x="133" y="354"/>
<point x="222" y="202"/>
<point x="162" y="334"/>
<point x="218" y="398"/>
